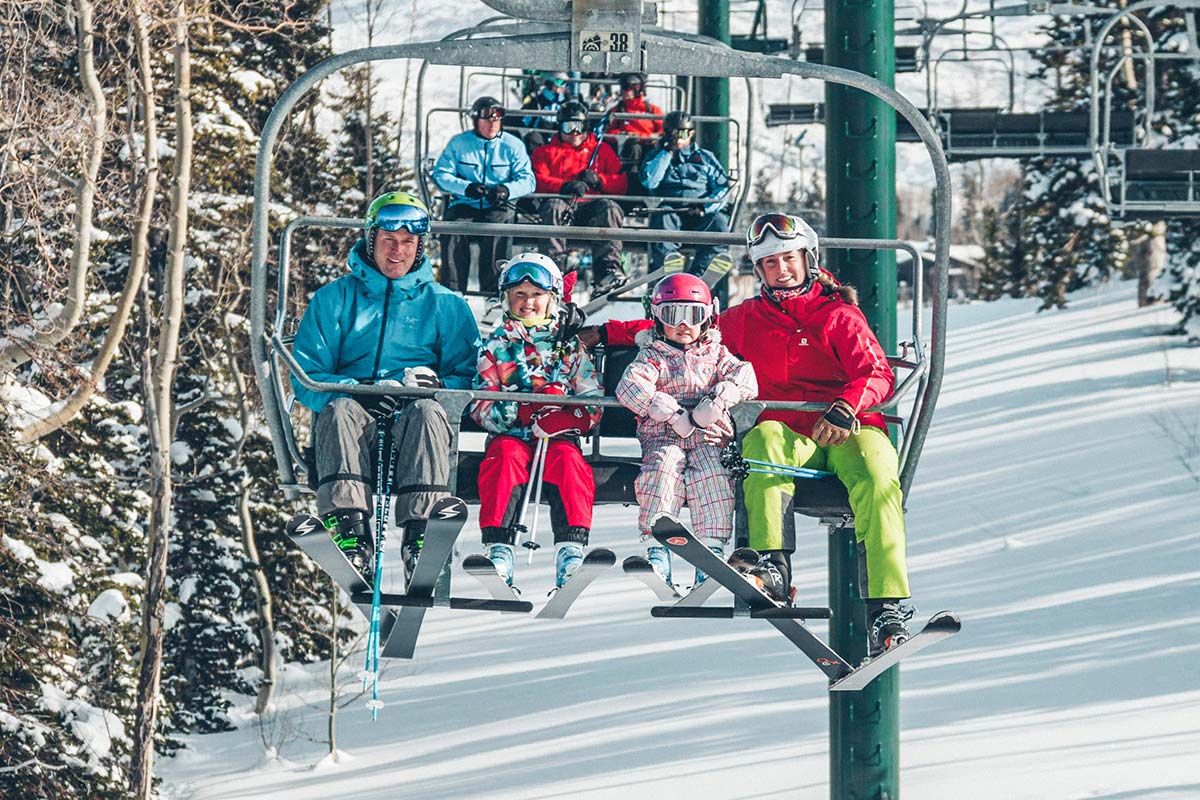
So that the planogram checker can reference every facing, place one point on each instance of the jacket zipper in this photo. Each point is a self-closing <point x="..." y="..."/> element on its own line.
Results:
<point x="387" y="296"/>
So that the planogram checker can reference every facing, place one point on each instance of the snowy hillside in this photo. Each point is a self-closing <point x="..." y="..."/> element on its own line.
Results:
<point x="1054" y="509"/>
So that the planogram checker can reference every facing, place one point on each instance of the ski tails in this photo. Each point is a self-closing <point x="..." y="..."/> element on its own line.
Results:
<point x="940" y="626"/>
<point x="594" y="563"/>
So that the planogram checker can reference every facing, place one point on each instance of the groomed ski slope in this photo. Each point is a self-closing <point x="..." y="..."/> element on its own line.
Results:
<point x="1054" y="508"/>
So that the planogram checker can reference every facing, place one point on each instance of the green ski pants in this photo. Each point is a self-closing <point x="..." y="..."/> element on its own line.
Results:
<point x="869" y="467"/>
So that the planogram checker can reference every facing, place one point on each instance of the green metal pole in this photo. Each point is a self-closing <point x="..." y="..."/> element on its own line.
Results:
<point x="712" y="98"/>
<point x="864" y="727"/>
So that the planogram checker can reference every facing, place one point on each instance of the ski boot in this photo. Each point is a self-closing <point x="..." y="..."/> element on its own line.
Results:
<point x="765" y="571"/>
<point x="608" y="283"/>
<point x="349" y="530"/>
<point x="502" y="556"/>
<point x="888" y="626"/>
<point x="410" y="546"/>
<point x="570" y="556"/>
<point x="660" y="558"/>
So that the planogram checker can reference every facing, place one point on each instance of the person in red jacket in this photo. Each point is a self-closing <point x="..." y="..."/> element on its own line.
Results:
<point x="575" y="163"/>
<point x="808" y="341"/>
<point x="641" y="133"/>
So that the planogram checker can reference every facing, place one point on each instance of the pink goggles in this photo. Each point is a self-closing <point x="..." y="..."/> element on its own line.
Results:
<point x="672" y="314"/>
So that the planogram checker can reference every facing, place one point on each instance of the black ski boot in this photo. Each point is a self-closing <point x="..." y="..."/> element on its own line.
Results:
<point x="410" y="545"/>
<point x="774" y="569"/>
<point x="887" y="626"/>
<point x="350" y="531"/>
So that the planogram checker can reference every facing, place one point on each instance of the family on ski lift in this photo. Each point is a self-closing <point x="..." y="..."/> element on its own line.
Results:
<point x="803" y="337"/>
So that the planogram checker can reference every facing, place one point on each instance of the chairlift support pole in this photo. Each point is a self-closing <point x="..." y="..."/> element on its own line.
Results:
<point x="864" y="726"/>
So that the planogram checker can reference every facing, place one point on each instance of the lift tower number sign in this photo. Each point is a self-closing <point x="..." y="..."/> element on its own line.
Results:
<point x="604" y="42"/>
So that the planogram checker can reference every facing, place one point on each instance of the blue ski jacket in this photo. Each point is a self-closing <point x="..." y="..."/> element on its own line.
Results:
<point x="471" y="159"/>
<point x="689" y="172"/>
<point x="365" y="327"/>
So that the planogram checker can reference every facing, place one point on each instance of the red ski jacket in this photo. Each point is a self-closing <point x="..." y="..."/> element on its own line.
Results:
<point x="811" y="348"/>
<point x="637" y="127"/>
<point x="556" y="162"/>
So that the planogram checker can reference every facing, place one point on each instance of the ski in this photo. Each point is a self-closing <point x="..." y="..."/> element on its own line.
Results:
<point x="940" y="626"/>
<point x="594" y="563"/>
<point x="484" y="571"/>
<point x="675" y="536"/>
<point x="446" y="520"/>
<point x="699" y="594"/>
<point x="638" y="567"/>
<point x="717" y="269"/>
<point x="669" y="267"/>
<point x="310" y="533"/>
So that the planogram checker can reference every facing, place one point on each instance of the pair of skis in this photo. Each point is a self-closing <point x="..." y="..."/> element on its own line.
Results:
<point x="717" y="269"/>
<point x="789" y="621"/>
<point x="595" y="563"/>
<point x="399" y="629"/>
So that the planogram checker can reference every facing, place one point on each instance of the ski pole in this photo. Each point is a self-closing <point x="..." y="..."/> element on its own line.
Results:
<point x="383" y="502"/>
<point x="537" y="500"/>
<point x="787" y="469"/>
<point x="534" y="485"/>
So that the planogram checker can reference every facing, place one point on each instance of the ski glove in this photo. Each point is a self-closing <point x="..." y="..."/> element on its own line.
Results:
<point x="575" y="188"/>
<point x="570" y="320"/>
<point x="681" y="423"/>
<point x="562" y="422"/>
<point x="725" y="396"/>
<point x="835" y="425"/>
<point x="497" y="195"/>
<point x="528" y="412"/>
<point x="476" y="191"/>
<point x="593" y="181"/>
<point x="662" y="407"/>
<point x="421" y="378"/>
<point x="380" y="406"/>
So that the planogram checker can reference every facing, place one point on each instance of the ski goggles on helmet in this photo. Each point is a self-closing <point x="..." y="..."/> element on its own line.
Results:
<point x="491" y="112"/>
<point x="397" y="216"/>
<point x="571" y="126"/>
<point x="538" y="275"/>
<point x="672" y="314"/>
<point x="782" y="226"/>
<point x="555" y="80"/>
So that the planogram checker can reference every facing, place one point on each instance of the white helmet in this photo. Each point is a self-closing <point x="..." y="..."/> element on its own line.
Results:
<point x="774" y="233"/>
<point x="538" y="269"/>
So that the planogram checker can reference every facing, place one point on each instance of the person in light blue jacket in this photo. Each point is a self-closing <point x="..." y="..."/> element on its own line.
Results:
<point x="483" y="170"/>
<point x="678" y="168"/>
<point x="386" y="323"/>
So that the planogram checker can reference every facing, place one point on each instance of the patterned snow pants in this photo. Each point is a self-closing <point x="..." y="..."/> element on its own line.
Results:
<point x="672" y="475"/>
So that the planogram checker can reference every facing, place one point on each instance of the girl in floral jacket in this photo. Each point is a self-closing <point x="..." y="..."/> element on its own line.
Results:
<point x="682" y="358"/>
<point x="527" y="353"/>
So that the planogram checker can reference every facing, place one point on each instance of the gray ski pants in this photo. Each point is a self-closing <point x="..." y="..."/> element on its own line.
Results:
<point x="347" y="450"/>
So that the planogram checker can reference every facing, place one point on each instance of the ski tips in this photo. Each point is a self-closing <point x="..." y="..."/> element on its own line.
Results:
<point x="448" y="508"/>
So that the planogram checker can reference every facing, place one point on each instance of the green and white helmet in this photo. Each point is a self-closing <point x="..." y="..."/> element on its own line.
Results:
<point x="395" y="211"/>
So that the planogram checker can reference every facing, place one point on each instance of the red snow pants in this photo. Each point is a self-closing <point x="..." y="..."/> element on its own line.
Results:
<point x="506" y="466"/>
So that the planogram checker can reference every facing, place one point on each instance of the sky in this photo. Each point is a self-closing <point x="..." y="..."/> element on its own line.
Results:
<point x="1053" y="509"/>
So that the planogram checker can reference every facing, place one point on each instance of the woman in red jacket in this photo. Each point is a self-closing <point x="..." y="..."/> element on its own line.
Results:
<point x="808" y="341"/>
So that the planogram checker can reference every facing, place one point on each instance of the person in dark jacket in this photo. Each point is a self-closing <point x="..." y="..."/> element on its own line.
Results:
<point x="676" y="168"/>
<point x="575" y="163"/>
<point x="482" y="170"/>
<point x="385" y="323"/>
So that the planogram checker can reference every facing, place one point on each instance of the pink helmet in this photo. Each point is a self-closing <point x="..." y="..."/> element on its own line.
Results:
<point x="681" y="288"/>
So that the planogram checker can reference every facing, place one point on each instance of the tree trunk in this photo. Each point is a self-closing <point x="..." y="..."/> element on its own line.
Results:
<point x="158" y="379"/>
<point x="19" y="350"/>
<point x="1151" y="261"/>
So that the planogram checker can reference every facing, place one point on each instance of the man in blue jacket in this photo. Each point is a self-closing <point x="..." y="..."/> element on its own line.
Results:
<point x="677" y="168"/>
<point x="482" y="170"/>
<point x="386" y="323"/>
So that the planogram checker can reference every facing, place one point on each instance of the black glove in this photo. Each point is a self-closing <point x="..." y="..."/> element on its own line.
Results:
<point x="696" y="210"/>
<point x="592" y="180"/>
<point x="379" y="406"/>
<point x="476" y="191"/>
<point x="570" y="319"/>
<point x="497" y="195"/>
<point x="576" y="188"/>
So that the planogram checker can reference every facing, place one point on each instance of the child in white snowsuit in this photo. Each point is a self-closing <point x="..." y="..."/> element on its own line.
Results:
<point x="683" y="359"/>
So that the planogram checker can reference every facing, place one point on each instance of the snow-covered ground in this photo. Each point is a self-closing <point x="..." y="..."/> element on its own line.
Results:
<point x="1054" y="508"/>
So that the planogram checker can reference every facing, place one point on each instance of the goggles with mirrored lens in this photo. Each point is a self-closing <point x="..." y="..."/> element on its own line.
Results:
<point x="781" y="225"/>
<point x="397" y="217"/>
<point x="673" y="314"/>
<point x="492" y="112"/>
<point x="539" y="276"/>
<point x="571" y="126"/>
<point x="682" y="133"/>
<point x="556" y="81"/>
